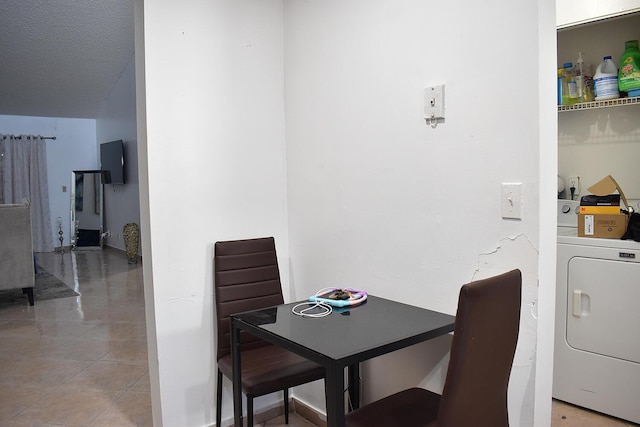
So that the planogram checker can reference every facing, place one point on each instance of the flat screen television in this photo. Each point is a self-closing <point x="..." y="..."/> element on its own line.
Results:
<point x="112" y="162"/>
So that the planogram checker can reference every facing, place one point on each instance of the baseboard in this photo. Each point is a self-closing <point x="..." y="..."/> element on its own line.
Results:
<point x="266" y="414"/>
<point x="115" y="248"/>
<point x="259" y="416"/>
<point x="301" y="409"/>
<point x="311" y="414"/>
<point x="123" y="251"/>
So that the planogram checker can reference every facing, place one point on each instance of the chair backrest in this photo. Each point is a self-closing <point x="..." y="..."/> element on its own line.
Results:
<point x="246" y="278"/>
<point x="482" y="351"/>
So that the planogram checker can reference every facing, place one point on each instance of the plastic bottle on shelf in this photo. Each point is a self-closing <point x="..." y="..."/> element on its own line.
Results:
<point x="560" y="73"/>
<point x="580" y="77"/>
<point x="629" y="74"/>
<point x="584" y="79"/>
<point x="587" y="90"/>
<point x="569" y="87"/>
<point x="606" y="80"/>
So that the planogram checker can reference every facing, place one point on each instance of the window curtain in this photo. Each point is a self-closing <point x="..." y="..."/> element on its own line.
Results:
<point x="23" y="175"/>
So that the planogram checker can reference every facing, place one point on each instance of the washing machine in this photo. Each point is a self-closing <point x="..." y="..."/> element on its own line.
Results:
<point x="597" y="337"/>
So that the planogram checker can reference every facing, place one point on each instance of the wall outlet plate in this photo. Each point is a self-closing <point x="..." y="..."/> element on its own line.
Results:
<point x="574" y="181"/>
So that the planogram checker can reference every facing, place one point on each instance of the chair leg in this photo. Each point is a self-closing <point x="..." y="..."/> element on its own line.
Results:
<point x="286" y="405"/>
<point x="249" y="411"/>
<point x="219" y="400"/>
<point x="29" y="292"/>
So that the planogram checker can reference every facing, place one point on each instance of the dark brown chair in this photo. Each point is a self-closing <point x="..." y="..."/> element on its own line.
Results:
<point x="482" y="351"/>
<point x="247" y="278"/>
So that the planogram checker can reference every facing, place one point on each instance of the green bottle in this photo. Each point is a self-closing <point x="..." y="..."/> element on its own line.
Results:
<point x="629" y="73"/>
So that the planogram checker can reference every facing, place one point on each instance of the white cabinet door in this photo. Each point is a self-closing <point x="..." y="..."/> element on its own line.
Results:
<point x="574" y="12"/>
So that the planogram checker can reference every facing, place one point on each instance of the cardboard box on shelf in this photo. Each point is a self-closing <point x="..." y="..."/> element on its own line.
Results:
<point x="604" y="188"/>
<point x="611" y="226"/>
<point x="607" y="200"/>
<point x="600" y="214"/>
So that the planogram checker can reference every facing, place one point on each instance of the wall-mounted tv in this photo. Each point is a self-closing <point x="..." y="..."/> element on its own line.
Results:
<point x="112" y="162"/>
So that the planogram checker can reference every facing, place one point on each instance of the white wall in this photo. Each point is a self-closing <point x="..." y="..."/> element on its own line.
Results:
<point x="547" y="170"/>
<point x="381" y="201"/>
<point x="117" y="120"/>
<point x="597" y="143"/>
<point x="74" y="149"/>
<point x="215" y="152"/>
<point x="363" y="194"/>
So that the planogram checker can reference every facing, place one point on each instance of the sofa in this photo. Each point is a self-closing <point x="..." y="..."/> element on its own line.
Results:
<point x="17" y="267"/>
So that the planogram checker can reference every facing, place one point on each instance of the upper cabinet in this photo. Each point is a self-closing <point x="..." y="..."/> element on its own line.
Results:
<point x="575" y="12"/>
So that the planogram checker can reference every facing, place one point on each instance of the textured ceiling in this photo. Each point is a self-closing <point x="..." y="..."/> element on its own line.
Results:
<point x="60" y="58"/>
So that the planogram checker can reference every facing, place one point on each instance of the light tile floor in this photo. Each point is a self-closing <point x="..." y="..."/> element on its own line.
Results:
<point x="294" y="421"/>
<point x="563" y="415"/>
<point x="567" y="415"/>
<point x="82" y="361"/>
<point x="79" y="361"/>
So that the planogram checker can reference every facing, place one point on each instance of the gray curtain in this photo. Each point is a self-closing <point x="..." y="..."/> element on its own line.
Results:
<point x="23" y="175"/>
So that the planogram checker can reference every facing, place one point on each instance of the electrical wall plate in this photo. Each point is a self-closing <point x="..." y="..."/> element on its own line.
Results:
<point x="512" y="200"/>
<point x="434" y="103"/>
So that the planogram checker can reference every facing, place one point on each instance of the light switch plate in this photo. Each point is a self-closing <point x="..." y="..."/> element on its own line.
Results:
<point x="512" y="200"/>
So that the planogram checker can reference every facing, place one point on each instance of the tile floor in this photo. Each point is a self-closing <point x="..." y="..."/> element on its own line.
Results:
<point x="294" y="421"/>
<point x="79" y="361"/>
<point x="566" y="415"/>
<point x="563" y="415"/>
<point x="82" y="361"/>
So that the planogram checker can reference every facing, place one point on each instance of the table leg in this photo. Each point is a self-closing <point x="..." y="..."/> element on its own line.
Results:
<point x="237" y="375"/>
<point x="354" y="385"/>
<point x="334" y="389"/>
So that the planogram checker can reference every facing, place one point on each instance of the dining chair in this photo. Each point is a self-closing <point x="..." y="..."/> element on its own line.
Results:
<point x="482" y="351"/>
<point x="247" y="278"/>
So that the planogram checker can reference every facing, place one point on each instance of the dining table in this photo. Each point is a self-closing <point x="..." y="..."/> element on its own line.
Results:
<point x="338" y="341"/>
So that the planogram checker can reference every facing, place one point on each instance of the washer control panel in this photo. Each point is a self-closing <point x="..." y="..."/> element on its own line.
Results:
<point x="568" y="213"/>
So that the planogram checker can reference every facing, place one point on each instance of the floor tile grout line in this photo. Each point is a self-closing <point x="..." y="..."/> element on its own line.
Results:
<point x="33" y="403"/>
<point x="52" y="390"/>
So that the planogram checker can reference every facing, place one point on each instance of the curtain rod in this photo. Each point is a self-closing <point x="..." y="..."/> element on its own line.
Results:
<point x="20" y="137"/>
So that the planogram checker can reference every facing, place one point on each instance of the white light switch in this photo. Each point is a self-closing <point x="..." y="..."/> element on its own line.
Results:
<point x="512" y="200"/>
